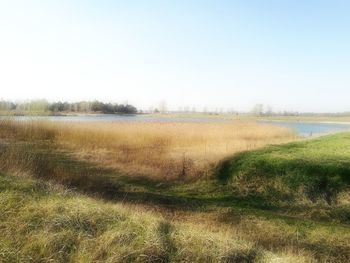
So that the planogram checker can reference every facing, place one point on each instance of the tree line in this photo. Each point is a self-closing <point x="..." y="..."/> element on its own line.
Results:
<point x="65" y="107"/>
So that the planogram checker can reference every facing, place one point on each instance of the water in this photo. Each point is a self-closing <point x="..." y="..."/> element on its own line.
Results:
<point x="119" y="118"/>
<point x="306" y="129"/>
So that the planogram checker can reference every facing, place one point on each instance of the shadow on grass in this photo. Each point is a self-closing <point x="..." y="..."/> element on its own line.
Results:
<point x="49" y="163"/>
<point x="44" y="161"/>
<point x="319" y="177"/>
<point x="165" y="230"/>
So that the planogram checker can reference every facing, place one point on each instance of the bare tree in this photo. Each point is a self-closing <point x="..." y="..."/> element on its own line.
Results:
<point x="163" y="106"/>
<point x="258" y="109"/>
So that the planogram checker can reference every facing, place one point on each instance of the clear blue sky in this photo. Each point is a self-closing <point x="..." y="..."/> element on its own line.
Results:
<point x="292" y="55"/>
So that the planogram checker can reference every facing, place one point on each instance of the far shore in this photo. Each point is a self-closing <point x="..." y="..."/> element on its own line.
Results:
<point x="321" y="118"/>
<point x="67" y="114"/>
<point x="306" y="121"/>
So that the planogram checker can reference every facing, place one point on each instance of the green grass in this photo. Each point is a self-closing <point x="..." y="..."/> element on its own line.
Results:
<point x="314" y="170"/>
<point x="286" y="201"/>
<point x="42" y="222"/>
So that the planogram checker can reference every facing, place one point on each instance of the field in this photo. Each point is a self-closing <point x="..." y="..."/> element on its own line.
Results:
<point x="172" y="193"/>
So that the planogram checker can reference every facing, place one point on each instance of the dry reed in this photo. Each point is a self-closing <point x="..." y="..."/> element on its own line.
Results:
<point x="165" y="150"/>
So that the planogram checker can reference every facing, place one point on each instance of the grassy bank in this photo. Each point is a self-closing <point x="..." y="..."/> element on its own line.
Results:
<point x="282" y="203"/>
<point x="314" y="170"/>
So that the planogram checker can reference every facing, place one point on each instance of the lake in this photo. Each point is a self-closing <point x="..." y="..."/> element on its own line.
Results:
<point x="307" y="129"/>
<point x="304" y="129"/>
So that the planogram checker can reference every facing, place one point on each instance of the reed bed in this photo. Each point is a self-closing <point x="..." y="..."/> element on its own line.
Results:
<point x="164" y="150"/>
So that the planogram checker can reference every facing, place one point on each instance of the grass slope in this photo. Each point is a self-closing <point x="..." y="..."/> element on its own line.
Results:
<point x="316" y="171"/>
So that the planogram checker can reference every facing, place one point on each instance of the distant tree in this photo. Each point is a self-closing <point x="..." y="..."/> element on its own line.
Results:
<point x="67" y="107"/>
<point x="131" y="109"/>
<point x="56" y="107"/>
<point x="258" y="109"/>
<point x="126" y="109"/>
<point x="269" y="111"/>
<point x="163" y="106"/>
<point x="82" y="106"/>
<point x="74" y="107"/>
<point x="97" y="106"/>
<point x="109" y="108"/>
<point x="37" y="105"/>
<point x="7" y="105"/>
<point x="150" y="109"/>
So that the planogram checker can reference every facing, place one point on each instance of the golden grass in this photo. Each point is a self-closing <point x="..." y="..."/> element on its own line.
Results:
<point x="41" y="222"/>
<point x="165" y="150"/>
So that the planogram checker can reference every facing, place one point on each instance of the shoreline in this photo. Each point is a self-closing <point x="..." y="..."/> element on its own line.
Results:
<point x="321" y="120"/>
<point x="306" y="121"/>
<point x="69" y="114"/>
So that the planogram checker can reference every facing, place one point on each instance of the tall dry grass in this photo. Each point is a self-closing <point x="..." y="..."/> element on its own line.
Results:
<point x="166" y="150"/>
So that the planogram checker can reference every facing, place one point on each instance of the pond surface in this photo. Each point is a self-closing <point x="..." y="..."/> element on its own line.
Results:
<point x="307" y="129"/>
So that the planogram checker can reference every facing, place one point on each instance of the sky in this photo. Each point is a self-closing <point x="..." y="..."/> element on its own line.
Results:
<point x="291" y="54"/>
